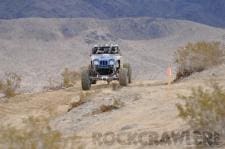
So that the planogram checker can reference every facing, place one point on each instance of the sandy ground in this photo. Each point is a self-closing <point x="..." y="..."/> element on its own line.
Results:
<point x="145" y="106"/>
<point x="39" y="53"/>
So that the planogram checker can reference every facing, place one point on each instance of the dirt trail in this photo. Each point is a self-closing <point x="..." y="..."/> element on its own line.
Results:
<point x="47" y="103"/>
<point x="143" y="106"/>
<point x="147" y="106"/>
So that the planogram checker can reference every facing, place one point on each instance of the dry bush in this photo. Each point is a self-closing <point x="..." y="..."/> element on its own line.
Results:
<point x="37" y="135"/>
<point x="115" y="86"/>
<point x="1" y="85"/>
<point x="10" y="84"/>
<point x="53" y="85"/>
<point x="195" y="57"/>
<point x="70" y="78"/>
<point x="75" y="104"/>
<point x="107" y="108"/>
<point x="204" y="108"/>
<point x="83" y="95"/>
<point x="81" y="99"/>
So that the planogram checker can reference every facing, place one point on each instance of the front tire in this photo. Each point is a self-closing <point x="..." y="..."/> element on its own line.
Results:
<point x="85" y="80"/>
<point x="123" y="77"/>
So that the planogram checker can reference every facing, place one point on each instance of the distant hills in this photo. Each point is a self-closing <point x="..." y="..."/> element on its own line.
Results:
<point x="210" y="12"/>
<point x="39" y="49"/>
<point x="39" y="38"/>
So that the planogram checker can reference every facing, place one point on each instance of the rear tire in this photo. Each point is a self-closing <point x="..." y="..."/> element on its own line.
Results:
<point x="123" y="77"/>
<point x="85" y="80"/>
<point x="126" y="65"/>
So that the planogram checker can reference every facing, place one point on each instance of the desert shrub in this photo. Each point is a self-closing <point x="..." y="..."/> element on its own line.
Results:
<point x="1" y="85"/>
<point x="37" y="134"/>
<point x="76" y="103"/>
<point x="53" y="85"/>
<point x="115" y="86"/>
<point x="116" y="104"/>
<point x="80" y="100"/>
<point x="70" y="78"/>
<point x="10" y="84"/>
<point x="107" y="108"/>
<point x="195" y="57"/>
<point x="204" y="108"/>
<point x="83" y="95"/>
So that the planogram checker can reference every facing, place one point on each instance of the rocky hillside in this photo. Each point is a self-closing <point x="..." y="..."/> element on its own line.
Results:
<point x="209" y="12"/>
<point x="143" y="106"/>
<point x="40" y="49"/>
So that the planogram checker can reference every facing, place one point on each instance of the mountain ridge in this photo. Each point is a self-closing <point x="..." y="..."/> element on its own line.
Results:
<point x="203" y="11"/>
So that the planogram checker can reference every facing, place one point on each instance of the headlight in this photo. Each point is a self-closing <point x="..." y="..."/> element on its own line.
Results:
<point x="96" y="62"/>
<point x="111" y="62"/>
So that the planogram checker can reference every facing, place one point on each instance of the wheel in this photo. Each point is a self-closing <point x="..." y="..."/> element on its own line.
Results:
<point x="129" y="72"/>
<point x="123" y="77"/>
<point x="91" y="73"/>
<point x="85" y="80"/>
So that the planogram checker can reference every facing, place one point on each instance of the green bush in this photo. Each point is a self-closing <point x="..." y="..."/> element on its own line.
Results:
<point x="10" y="84"/>
<point x="70" y="78"/>
<point x="204" y="108"/>
<point x="195" y="57"/>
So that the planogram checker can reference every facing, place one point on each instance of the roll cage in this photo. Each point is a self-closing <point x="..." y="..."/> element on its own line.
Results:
<point x="106" y="50"/>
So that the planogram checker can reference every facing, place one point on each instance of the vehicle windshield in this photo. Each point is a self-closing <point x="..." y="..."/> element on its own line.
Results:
<point x="105" y="50"/>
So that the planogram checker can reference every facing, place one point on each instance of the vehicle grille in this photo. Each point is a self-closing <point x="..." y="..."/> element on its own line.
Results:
<point x="103" y="63"/>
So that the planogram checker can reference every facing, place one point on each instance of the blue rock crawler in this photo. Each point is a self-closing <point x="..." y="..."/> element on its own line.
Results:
<point x="106" y="64"/>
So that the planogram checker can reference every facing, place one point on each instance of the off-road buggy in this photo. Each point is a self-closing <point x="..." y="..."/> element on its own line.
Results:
<point x="106" y="64"/>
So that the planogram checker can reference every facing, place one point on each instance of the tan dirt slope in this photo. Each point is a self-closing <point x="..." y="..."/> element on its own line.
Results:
<point x="144" y="106"/>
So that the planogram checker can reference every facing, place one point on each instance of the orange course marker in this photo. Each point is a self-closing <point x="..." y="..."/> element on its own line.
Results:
<point x="169" y="74"/>
<point x="169" y="71"/>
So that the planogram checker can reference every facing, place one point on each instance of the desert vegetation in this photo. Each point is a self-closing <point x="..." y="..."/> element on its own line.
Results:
<point x="79" y="100"/>
<point x="115" y="86"/>
<point x="10" y="84"/>
<point x="204" y="108"/>
<point x="70" y="78"/>
<point x="116" y="104"/>
<point x="53" y="85"/>
<point x="196" y="57"/>
<point x="38" y="134"/>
